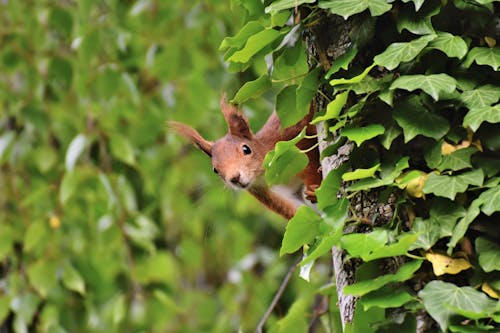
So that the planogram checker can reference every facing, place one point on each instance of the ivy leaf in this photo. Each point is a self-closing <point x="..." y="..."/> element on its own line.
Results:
<point x="386" y="297"/>
<point x="416" y="23"/>
<point x="353" y="80"/>
<point x="415" y="119"/>
<point x="252" y="89"/>
<point x="440" y="298"/>
<point x="449" y="186"/>
<point x="404" y="273"/>
<point x="300" y="230"/>
<point x="295" y="320"/>
<point x="397" y="53"/>
<point x="462" y="225"/>
<point x="489" y="254"/>
<point x="362" y="134"/>
<point x="237" y="41"/>
<point x="334" y="223"/>
<point x="333" y="108"/>
<point x="327" y="192"/>
<point x="442" y="264"/>
<point x="285" y="161"/>
<point x="254" y="44"/>
<point x="481" y="96"/>
<point x="418" y="3"/>
<point x="342" y="62"/>
<point x="475" y="117"/>
<point x="348" y="8"/>
<point x="360" y="245"/>
<point x="490" y="200"/>
<point x="484" y="56"/>
<point x="451" y="45"/>
<point x="371" y="246"/>
<point x="280" y="5"/>
<point x="360" y="173"/>
<point x="434" y="84"/>
<point x="291" y="65"/>
<point x="286" y="105"/>
<point x="457" y="160"/>
<point x="388" y="172"/>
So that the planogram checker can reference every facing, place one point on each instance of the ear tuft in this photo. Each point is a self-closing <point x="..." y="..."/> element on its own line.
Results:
<point x="237" y="122"/>
<point x="191" y="134"/>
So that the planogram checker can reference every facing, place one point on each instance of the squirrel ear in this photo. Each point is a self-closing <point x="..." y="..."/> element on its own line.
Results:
<point x="191" y="134"/>
<point x="236" y="121"/>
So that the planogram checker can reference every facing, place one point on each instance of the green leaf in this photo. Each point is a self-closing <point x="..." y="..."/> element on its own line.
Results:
<point x="397" y="53"/>
<point x="249" y="29"/>
<point x="386" y="297"/>
<point x="72" y="279"/>
<point x="279" y="5"/>
<point x="440" y="298"/>
<point x="362" y="134"/>
<point x="489" y="254"/>
<point x="443" y="217"/>
<point x="361" y="245"/>
<point x="490" y="200"/>
<point x="36" y="237"/>
<point x="416" y="23"/>
<point x="415" y="119"/>
<point x="398" y="248"/>
<point x="484" y="56"/>
<point x="42" y="276"/>
<point x="348" y="8"/>
<point x="482" y="96"/>
<point x="449" y="186"/>
<point x="462" y="225"/>
<point x="333" y="222"/>
<point x="388" y="172"/>
<point x="327" y="192"/>
<point x="457" y="160"/>
<point x="300" y="230"/>
<point x="333" y="108"/>
<point x="389" y="135"/>
<point x="122" y="149"/>
<point x="434" y="85"/>
<point x="360" y="173"/>
<point x="24" y="305"/>
<point x="404" y="273"/>
<point x="475" y="117"/>
<point x="342" y="62"/>
<point x="305" y="93"/>
<point x="451" y="45"/>
<point x="284" y="162"/>
<point x="68" y="186"/>
<point x="7" y="238"/>
<point x="252" y="89"/>
<point x="418" y="3"/>
<point x="286" y="105"/>
<point x="354" y="80"/>
<point x="254" y="44"/>
<point x="291" y="65"/>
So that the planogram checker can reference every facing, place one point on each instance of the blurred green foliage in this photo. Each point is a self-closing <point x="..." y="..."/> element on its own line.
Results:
<point x="102" y="223"/>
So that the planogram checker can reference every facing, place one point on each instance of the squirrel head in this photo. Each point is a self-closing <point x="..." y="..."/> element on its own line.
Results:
<point x="237" y="157"/>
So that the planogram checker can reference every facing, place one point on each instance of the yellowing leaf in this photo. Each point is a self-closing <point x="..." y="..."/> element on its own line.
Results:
<point x="447" y="148"/>
<point x="442" y="264"/>
<point x="415" y="186"/>
<point x="486" y="288"/>
<point x="491" y="42"/>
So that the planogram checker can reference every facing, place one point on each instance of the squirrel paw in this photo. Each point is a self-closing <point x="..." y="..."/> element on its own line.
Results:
<point x="310" y="193"/>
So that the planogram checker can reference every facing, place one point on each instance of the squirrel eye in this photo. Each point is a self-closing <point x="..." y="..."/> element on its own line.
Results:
<point x="246" y="150"/>
<point x="216" y="172"/>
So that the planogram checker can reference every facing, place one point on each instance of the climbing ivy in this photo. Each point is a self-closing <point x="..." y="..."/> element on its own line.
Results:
<point x="417" y="92"/>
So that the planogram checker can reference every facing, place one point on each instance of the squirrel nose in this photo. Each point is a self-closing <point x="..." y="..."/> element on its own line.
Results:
<point x="235" y="180"/>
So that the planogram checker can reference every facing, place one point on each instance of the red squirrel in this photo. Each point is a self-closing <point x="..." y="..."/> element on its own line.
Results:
<point x="238" y="157"/>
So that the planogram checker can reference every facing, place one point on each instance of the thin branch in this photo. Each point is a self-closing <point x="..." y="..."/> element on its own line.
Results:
<point x="277" y="297"/>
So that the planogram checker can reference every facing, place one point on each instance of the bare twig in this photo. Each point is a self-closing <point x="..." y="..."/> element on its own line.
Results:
<point x="277" y="297"/>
